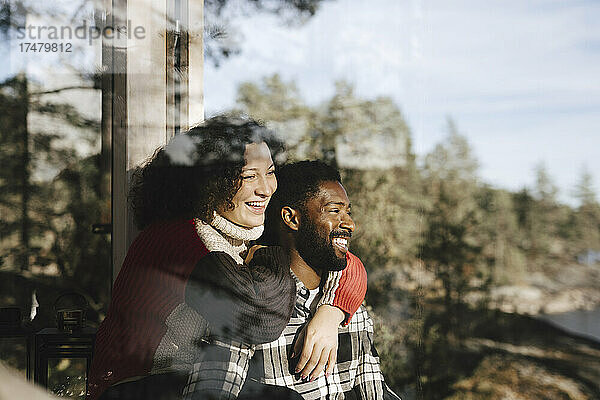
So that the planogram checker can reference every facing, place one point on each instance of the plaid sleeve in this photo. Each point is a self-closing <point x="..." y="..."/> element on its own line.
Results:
<point x="358" y="358"/>
<point x="219" y="371"/>
<point x="331" y="285"/>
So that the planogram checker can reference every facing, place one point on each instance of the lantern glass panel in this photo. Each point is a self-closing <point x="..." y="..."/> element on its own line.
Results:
<point x="67" y="377"/>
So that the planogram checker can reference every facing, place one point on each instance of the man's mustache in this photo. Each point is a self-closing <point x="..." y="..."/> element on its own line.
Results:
<point x="340" y="233"/>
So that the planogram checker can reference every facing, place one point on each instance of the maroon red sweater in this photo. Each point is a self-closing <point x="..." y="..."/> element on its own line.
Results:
<point x="143" y="296"/>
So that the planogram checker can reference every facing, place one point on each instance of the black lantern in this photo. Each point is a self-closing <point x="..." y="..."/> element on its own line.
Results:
<point x="70" y="309"/>
<point x="63" y="355"/>
<point x="63" y="360"/>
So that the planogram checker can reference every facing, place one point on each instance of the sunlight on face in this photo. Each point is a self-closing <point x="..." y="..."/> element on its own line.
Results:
<point x="258" y="185"/>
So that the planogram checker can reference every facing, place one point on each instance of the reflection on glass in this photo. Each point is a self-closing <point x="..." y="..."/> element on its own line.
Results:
<point x="67" y="377"/>
<point x="13" y="353"/>
<point x="53" y="186"/>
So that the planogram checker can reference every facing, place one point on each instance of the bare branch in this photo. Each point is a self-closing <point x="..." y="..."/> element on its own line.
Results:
<point x="61" y="89"/>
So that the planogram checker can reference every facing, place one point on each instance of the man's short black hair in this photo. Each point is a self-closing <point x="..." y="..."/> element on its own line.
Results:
<point x="296" y="184"/>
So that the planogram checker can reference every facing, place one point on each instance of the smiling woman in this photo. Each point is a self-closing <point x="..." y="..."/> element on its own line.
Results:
<point x="190" y="297"/>
<point x="212" y="168"/>
<point x="258" y="184"/>
<point x="199" y="201"/>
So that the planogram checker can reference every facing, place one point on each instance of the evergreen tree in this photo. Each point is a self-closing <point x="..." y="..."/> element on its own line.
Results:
<point x="363" y="134"/>
<point x="586" y="216"/>
<point x="584" y="189"/>
<point x="545" y="219"/>
<point x="500" y="236"/>
<point x="545" y="190"/>
<point x="450" y="247"/>
<point x="279" y="104"/>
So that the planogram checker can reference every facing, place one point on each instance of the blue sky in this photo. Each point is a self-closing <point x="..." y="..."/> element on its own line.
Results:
<point x="520" y="78"/>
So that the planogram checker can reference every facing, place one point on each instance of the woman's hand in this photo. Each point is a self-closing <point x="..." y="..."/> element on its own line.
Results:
<point x="319" y="341"/>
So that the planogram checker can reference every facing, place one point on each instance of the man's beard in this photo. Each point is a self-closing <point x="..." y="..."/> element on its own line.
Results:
<point x="316" y="249"/>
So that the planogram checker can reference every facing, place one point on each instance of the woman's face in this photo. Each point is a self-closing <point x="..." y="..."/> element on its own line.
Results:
<point x="258" y="185"/>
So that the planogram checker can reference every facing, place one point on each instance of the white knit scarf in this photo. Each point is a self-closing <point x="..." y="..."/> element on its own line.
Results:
<point x="223" y="235"/>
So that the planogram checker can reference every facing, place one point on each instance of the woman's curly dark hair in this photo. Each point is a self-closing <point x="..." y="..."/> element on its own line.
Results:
<point x="198" y="172"/>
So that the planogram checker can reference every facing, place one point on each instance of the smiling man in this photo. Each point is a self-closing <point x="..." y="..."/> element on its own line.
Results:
<point x="310" y="217"/>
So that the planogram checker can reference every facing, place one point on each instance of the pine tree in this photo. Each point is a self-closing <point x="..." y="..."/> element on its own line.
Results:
<point x="587" y="215"/>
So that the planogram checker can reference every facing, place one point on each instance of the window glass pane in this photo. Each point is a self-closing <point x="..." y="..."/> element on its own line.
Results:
<point x="55" y="181"/>
<point x="466" y="146"/>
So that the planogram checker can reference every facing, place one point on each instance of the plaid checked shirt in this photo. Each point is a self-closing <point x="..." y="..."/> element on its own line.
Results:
<point x="223" y="367"/>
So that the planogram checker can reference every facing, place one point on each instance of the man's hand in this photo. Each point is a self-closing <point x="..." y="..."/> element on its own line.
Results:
<point x="319" y="339"/>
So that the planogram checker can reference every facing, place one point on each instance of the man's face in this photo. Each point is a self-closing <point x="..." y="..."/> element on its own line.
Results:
<point x="325" y="228"/>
